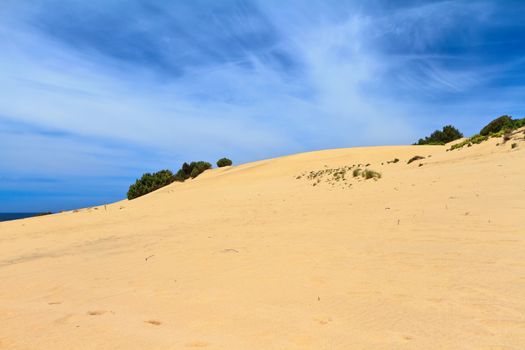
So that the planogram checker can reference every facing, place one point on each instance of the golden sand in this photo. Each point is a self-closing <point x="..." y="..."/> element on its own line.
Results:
<point x="250" y="257"/>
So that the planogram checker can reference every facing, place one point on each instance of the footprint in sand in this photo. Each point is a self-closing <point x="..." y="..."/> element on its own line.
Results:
<point x="64" y="319"/>
<point x="197" y="344"/>
<point x="229" y="250"/>
<point x="153" y="322"/>
<point x="96" y="312"/>
<point x="54" y="303"/>
<point x="323" y="320"/>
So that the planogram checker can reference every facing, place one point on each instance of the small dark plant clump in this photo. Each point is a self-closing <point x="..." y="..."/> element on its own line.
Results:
<point x="44" y="213"/>
<point x="149" y="183"/>
<point x="366" y="174"/>
<point x="393" y="161"/>
<point x="448" y="134"/>
<point x="332" y="176"/>
<point x="224" y="162"/>
<point x="514" y="145"/>
<point x="507" y="135"/>
<point x="337" y="176"/>
<point x="414" y="158"/>
<point x="371" y="174"/>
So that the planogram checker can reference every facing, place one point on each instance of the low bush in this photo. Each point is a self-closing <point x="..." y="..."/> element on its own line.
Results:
<point x="476" y="139"/>
<point x="514" y="145"/>
<point x="502" y="123"/>
<point x="496" y="125"/>
<point x="414" y="158"/>
<point x="149" y="183"/>
<point x="448" y="134"/>
<point x="224" y="162"/>
<point x="371" y="174"/>
<point x="499" y="127"/>
<point x="191" y="170"/>
<point x="356" y="172"/>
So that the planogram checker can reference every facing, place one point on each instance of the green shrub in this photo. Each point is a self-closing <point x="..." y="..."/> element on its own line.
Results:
<point x="149" y="183"/>
<point x="356" y="172"/>
<point x="459" y="145"/>
<point x="448" y="134"/>
<point x="498" y="124"/>
<point x="224" y="162"/>
<point x="477" y="139"/>
<point x="191" y="170"/>
<point x="414" y="158"/>
<point x="497" y="134"/>
<point x="198" y="168"/>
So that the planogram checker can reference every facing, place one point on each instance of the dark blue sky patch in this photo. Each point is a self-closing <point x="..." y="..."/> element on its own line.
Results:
<point x="168" y="38"/>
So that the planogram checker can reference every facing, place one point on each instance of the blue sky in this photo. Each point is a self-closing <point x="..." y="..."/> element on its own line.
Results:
<point x="94" y="93"/>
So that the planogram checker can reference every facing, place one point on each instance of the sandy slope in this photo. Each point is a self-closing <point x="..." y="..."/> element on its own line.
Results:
<point x="249" y="257"/>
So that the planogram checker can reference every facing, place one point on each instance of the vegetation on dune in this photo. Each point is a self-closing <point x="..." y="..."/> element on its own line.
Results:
<point x="440" y="137"/>
<point x="371" y="174"/>
<point x="191" y="170"/>
<point x="150" y="182"/>
<point x="337" y="176"/>
<point x="507" y="135"/>
<point x="366" y="173"/>
<point x="43" y="213"/>
<point x="499" y="127"/>
<point x="474" y="140"/>
<point x="502" y="123"/>
<point x="414" y="158"/>
<point x="224" y="162"/>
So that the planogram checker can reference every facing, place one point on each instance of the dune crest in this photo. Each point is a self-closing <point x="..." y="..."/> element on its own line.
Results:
<point x="429" y="256"/>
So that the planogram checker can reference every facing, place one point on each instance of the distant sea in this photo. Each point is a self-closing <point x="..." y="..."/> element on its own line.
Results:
<point x="15" y="216"/>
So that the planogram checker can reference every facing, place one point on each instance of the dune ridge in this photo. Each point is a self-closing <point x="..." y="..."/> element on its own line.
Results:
<point x="252" y="257"/>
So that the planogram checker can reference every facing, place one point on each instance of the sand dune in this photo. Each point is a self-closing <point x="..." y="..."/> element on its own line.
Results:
<point x="251" y="257"/>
